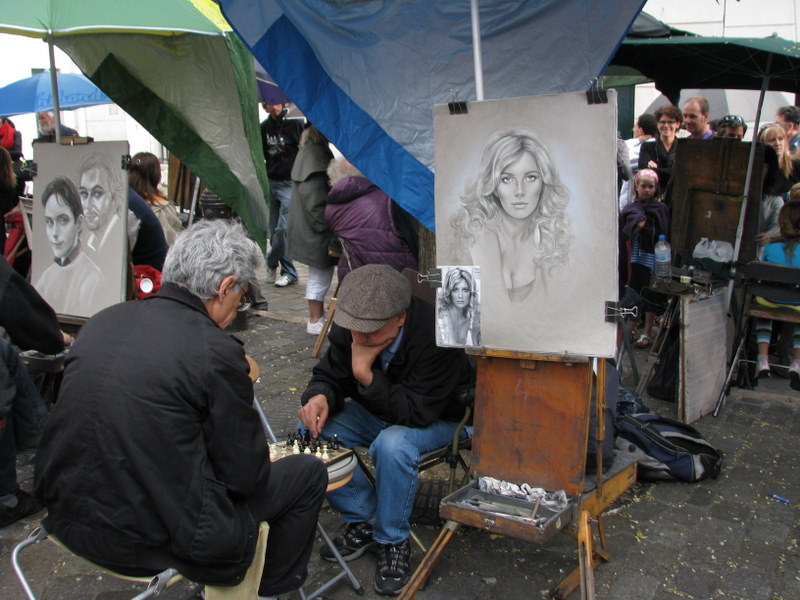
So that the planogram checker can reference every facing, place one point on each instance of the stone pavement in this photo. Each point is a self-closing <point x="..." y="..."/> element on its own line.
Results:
<point x="719" y="539"/>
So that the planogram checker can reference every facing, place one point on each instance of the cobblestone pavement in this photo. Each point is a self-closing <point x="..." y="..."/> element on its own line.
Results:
<point x="718" y="539"/>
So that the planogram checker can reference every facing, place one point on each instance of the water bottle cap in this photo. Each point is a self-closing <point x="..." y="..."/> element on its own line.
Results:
<point x="662" y="236"/>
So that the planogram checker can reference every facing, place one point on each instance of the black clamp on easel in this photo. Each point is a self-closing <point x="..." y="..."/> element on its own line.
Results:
<point x="596" y="94"/>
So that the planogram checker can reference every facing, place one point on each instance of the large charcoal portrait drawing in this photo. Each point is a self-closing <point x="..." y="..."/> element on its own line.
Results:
<point x="525" y="190"/>
<point x="79" y="226"/>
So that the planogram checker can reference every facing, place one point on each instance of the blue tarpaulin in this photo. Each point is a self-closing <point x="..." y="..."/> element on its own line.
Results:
<point x="368" y="73"/>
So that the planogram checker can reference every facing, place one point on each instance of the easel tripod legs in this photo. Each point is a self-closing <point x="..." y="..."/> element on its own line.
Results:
<point x="589" y="558"/>
<point x="430" y="560"/>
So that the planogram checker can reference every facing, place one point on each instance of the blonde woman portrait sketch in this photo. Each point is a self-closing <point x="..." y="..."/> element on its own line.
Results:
<point x="458" y="308"/>
<point x="512" y="215"/>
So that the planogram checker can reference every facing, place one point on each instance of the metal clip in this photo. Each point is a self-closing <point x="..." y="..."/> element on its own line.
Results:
<point x="457" y="108"/>
<point x="596" y="94"/>
<point x="125" y="161"/>
<point x="615" y="313"/>
<point x="433" y="277"/>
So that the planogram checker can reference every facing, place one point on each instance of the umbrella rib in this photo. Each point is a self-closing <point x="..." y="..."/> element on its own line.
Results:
<point x="135" y="29"/>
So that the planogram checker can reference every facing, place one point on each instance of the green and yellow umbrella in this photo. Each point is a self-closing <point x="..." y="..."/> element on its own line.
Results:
<point x="176" y="67"/>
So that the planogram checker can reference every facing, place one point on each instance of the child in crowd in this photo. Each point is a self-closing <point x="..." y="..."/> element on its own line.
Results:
<point x="642" y="221"/>
<point x="786" y="251"/>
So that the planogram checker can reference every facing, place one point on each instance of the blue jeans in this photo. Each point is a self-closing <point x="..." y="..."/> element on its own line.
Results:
<point x="395" y="451"/>
<point x="281" y="197"/>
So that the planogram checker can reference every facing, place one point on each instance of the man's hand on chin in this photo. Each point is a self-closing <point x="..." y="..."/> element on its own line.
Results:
<point x="363" y="359"/>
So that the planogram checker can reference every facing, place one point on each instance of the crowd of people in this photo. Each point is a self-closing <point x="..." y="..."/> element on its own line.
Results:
<point x="383" y="382"/>
<point x="645" y="201"/>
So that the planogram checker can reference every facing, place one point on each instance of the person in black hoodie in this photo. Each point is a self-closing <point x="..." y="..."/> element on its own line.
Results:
<point x="280" y="138"/>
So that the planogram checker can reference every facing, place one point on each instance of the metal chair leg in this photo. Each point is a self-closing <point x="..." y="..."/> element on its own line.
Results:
<point x="36" y="536"/>
<point x="346" y="571"/>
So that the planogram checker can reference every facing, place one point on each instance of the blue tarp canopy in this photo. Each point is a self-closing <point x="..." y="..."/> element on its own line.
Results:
<point x="368" y="73"/>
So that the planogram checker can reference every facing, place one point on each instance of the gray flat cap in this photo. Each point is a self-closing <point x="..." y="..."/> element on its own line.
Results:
<point x="369" y="296"/>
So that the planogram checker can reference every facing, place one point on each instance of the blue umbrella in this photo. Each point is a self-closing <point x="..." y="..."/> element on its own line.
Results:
<point x="34" y="94"/>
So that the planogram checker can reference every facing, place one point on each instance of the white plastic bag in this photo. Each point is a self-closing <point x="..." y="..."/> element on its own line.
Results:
<point x="716" y="250"/>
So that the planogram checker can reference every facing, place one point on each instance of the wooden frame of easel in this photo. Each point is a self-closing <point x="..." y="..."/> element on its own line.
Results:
<point x="532" y="415"/>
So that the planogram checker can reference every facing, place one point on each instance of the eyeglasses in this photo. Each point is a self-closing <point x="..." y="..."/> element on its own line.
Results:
<point x="667" y="122"/>
<point x="731" y="121"/>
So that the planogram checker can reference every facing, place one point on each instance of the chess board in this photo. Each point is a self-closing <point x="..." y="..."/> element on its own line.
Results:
<point x="322" y="451"/>
<point x="340" y="461"/>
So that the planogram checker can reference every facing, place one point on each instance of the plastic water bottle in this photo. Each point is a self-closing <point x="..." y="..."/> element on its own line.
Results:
<point x="663" y="252"/>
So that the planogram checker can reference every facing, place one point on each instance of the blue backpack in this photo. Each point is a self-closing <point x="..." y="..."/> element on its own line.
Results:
<point x="667" y="450"/>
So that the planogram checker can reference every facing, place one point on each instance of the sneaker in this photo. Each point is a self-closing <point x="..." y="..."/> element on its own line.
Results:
<point x="26" y="505"/>
<point x="762" y="366"/>
<point x="394" y="568"/>
<point x="356" y="539"/>
<point x="284" y="280"/>
<point x="272" y="274"/>
<point x="315" y="328"/>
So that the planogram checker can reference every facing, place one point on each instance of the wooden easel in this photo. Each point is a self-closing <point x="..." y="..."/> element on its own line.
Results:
<point x="532" y="426"/>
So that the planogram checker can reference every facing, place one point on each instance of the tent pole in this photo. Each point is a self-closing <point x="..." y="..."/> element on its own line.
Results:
<point x="748" y="177"/>
<point x="54" y="87"/>
<point x="475" y="17"/>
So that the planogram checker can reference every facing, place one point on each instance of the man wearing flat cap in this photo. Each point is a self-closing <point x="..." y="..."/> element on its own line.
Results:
<point x="383" y="383"/>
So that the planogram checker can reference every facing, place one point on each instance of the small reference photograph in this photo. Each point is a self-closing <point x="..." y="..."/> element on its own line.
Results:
<point x="80" y="210"/>
<point x="525" y="191"/>
<point x="458" y="307"/>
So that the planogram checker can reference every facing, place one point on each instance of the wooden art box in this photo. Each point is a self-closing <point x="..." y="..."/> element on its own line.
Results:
<point x="508" y="516"/>
<point x="708" y="183"/>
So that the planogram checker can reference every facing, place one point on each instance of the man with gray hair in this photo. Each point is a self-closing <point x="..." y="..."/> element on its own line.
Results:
<point x="383" y="383"/>
<point x="154" y="455"/>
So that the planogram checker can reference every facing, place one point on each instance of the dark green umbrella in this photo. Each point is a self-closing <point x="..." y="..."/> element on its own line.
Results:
<point x="693" y="61"/>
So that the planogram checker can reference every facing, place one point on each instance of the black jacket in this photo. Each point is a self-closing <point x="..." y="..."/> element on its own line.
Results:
<point x="27" y="318"/>
<point x="154" y="447"/>
<point x="421" y="383"/>
<point x="280" y="139"/>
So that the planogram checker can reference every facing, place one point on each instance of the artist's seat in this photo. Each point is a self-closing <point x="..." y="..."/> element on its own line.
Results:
<point x="155" y="584"/>
<point x="781" y="285"/>
<point x="46" y="371"/>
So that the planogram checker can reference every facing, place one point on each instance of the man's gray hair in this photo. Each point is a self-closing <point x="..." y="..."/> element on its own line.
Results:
<point x="206" y="253"/>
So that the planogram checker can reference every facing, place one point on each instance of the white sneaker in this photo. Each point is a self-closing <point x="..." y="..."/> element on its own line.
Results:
<point x="315" y="328"/>
<point x="272" y="275"/>
<point x="284" y="280"/>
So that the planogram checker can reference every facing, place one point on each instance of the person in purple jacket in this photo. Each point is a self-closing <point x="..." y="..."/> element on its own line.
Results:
<point x="370" y="227"/>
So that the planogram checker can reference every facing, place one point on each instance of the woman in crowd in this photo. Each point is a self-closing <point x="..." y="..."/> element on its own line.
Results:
<point x="786" y="251"/>
<point x="368" y="226"/>
<point x="659" y="155"/>
<point x="307" y="231"/>
<point x="642" y="221"/>
<point x="513" y="215"/>
<point x="144" y="175"/>
<point x="458" y="315"/>
<point x="788" y="172"/>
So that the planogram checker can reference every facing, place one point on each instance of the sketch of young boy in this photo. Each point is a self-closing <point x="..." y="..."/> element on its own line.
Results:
<point x="69" y="284"/>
